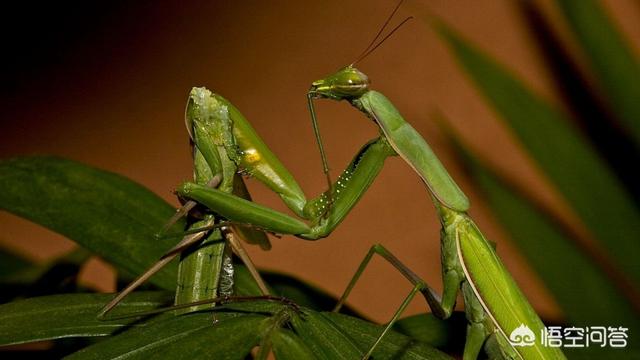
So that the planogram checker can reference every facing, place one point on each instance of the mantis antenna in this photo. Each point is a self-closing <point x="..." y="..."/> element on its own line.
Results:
<point x="372" y="45"/>
<point x="310" y="96"/>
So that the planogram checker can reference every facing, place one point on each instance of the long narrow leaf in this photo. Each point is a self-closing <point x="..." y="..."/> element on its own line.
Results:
<point x="568" y="160"/>
<point x="71" y="315"/>
<point x="104" y="212"/>
<point x="324" y="338"/>
<point x="564" y="268"/>
<point x="617" y="71"/>
<point x="192" y="336"/>
<point x="393" y="345"/>
<point x="108" y="214"/>
<point x="598" y="123"/>
<point x="287" y="345"/>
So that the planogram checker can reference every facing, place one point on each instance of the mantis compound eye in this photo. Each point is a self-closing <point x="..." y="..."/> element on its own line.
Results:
<point x="353" y="82"/>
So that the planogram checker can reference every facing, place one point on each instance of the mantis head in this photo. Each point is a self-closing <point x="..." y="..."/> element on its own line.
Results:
<point x="347" y="83"/>
<point x="350" y="83"/>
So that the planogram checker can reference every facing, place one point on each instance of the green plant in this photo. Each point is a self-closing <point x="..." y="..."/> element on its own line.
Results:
<point x="117" y="219"/>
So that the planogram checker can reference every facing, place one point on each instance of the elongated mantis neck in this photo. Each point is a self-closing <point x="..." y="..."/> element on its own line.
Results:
<point x="357" y="103"/>
<point x="447" y="216"/>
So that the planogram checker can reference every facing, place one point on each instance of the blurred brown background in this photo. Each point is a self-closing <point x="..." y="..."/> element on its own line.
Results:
<point x="105" y="83"/>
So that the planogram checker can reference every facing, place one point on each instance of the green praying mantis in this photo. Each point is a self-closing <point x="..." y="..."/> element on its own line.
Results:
<point x="225" y="144"/>
<point x="208" y="271"/>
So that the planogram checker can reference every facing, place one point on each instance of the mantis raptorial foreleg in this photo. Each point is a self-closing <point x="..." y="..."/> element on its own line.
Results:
<point x="346" y="192"/>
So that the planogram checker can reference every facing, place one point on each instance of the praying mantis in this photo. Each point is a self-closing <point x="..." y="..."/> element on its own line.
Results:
<point x="494" y="305"/>
<point x="208" y="271"/>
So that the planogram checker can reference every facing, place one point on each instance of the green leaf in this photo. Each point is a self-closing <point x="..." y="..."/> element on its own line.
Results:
<point x="104" y="212"/>
<point x="442" y="334"/>
<point x="393" y="346"/>
<point x="324" y="338"/>
<point x="338" y="336"/>
<point x="567" y="159"/>
<point x="563" y="267"/>
<point x="616" y="69"/>
<point x="289" y="346"/>
<point x="71" y="315"/>
<point x="240" y="324"/>
<point x="257" y="306"/>
<point x="192" y="336"/>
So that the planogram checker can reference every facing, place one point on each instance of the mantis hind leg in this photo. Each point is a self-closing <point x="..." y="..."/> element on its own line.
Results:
<point x="441" y="306"/>
<point x="497" y="347"/>
<point x="476" y="335"/>
<point x="477" y="330"/>
<point x="481" y="331"/>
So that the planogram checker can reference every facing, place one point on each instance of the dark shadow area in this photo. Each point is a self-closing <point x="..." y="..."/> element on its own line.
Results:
<point x="304" y="294"/>
<point x="38" y="38"/>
